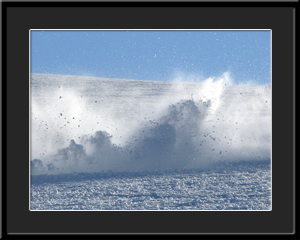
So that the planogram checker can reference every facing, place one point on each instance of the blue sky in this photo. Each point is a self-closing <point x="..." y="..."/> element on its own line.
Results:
<point x="154" y="55"/>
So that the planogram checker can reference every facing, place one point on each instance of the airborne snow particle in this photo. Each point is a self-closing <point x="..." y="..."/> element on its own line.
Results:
<point x="155" y="147"/>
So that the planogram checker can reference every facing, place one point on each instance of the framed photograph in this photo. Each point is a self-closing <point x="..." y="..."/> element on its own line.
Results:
<point x="147" y="120"/>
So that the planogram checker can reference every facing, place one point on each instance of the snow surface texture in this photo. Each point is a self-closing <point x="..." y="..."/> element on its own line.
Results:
<point x="82" y="126"/>
<point x="231" y="186"/>
<point x="86" y="124"/>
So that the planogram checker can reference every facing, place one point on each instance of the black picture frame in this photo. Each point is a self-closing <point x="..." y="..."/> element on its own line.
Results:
<point x="19" y="17"/>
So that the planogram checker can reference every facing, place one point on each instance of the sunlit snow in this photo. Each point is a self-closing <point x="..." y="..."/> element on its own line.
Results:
<point x="115" y="144"/>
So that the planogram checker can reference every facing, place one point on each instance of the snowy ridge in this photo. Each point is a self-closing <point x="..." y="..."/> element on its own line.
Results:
<point x="86" y="124"/>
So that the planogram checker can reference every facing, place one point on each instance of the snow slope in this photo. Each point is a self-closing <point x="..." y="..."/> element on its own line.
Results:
<point x="87" y="124"/>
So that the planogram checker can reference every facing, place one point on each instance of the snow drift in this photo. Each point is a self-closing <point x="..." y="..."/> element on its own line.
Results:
<point x="88" y="124"/>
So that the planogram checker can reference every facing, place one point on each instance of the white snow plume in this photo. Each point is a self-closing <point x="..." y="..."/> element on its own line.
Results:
<point x="169" y="142"/>
<point x="86" y="124"/>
